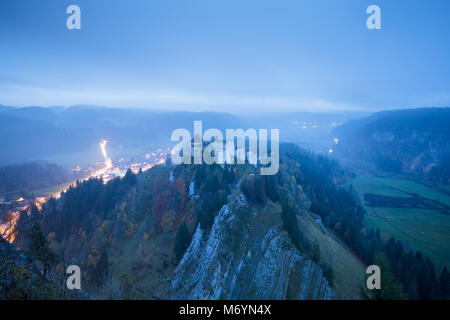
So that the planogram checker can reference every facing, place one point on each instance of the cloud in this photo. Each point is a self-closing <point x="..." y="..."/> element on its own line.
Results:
<point x="169" y="99"/>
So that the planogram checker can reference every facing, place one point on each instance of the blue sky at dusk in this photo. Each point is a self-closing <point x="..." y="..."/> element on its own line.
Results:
<point x="236" y="56"/>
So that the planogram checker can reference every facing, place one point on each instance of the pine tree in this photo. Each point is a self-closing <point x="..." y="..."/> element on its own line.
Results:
<point x="391" y="287"/>
<point x="271" y="188"/>
<point x="129" y="178"/>
<point x="182" y="241"/>
<point x="444" y="281"/>
<point x="289" y="219"/>
<point x="101" y="269"/>
<point x="39" y="249"/>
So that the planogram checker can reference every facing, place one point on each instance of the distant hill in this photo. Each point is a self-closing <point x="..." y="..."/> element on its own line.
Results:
<point x="401" y="141"/>
<point x="31" y="133"/>
<point x="32" y="175"/>
<point x="32" y="113"/>
<point x="25" y="139"/>
<point x="5" y="108"/>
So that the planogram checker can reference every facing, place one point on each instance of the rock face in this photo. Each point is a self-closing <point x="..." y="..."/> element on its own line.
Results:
<point x="246" y="255"/>
<point x="9" y="252"/>
<point x="19" y="278"/>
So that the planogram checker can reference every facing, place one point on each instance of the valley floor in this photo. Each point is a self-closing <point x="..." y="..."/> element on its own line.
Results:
<point x="412" y="212"/>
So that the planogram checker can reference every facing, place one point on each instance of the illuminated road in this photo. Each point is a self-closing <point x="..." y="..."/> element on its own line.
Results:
<point x="106" y="171"/>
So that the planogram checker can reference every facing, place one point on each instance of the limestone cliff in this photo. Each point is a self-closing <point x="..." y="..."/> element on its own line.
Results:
<point x="246" y="255"/>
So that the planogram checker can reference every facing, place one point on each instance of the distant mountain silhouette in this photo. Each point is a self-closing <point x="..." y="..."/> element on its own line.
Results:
<point x="33" y="132"/>
<point x="30" y="133"/>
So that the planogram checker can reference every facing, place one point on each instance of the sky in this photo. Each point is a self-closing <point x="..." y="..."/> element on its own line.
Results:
<point x="242" y="56"/>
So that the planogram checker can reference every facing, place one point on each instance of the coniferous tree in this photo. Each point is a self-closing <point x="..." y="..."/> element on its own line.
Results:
<point x="289" y="219"/>
<point x="444" y="281"/>
<point x="182" y="241"/>
<point x="101" y="269"/>
<point x="39" y="249"/>
<point x="130" y="178"/>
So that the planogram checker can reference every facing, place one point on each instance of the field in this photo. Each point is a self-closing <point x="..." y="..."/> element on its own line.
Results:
<point x="424" y="229"/>
<point x="53" y="190"/>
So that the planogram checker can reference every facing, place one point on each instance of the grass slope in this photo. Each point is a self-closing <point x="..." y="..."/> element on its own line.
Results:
<point x="349" y="271"/>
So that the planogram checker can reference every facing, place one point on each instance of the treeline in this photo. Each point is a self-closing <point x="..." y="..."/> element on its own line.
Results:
<point x="213" y="184"/>
<point x="417" y="274"/>
<point x="31" y="175"/>
<point x="84" y="205"/>
<point x="257" y="188"/>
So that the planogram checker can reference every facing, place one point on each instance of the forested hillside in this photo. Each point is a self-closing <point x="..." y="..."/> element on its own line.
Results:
<point x="31" y="175"/>
<point x="414" y="141"/>
<point x="143" y="235"/>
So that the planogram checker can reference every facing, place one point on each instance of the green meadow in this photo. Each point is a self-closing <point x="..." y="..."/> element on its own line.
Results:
<point x="426" y="230"/>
